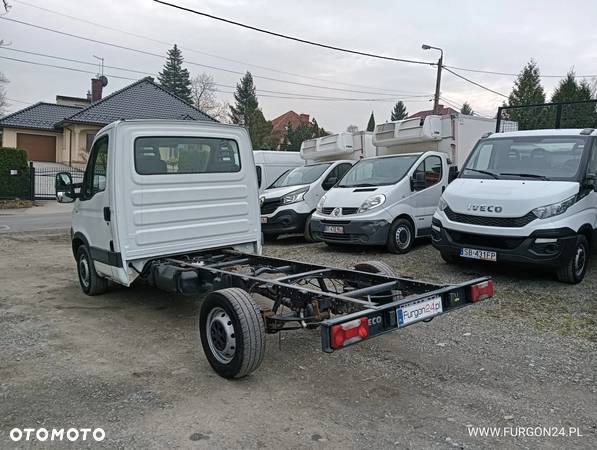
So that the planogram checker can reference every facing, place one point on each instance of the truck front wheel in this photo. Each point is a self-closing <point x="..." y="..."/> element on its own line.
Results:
<point x="91" y="283"/>
<point x="575" y="270"/>
<point x="232" y="332"/>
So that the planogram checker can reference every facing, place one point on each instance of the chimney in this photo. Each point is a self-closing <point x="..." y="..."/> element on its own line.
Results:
<point x="304" y="118"/>
<point x="96" y="89"/>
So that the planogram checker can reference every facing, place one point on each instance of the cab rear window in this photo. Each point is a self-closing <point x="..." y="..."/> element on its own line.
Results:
<point x="170" y="155"/>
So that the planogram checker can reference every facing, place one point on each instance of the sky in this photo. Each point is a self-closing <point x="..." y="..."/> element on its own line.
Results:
<point x="496" y="36"/>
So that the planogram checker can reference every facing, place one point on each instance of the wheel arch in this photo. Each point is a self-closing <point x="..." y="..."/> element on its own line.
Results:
<point x="78" y="240"/>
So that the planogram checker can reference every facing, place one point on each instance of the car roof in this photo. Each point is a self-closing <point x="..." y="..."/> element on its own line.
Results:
<point x="547" y="133"/>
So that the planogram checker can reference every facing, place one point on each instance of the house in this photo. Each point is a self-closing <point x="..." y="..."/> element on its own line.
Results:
<point x="63" y="131"/>
<point x="443" y="111"/>
<point x="280" y="123"/>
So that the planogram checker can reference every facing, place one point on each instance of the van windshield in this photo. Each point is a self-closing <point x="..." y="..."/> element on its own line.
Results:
<point x="378" y="171"/>
<point x="301" y="175"/>
<point x="530" y="157"/>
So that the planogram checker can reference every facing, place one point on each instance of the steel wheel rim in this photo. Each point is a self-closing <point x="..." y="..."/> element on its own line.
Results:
<point x="580" y="260"/>
<point x="220" y="335"/>
<point x="84" y="273"/>
<point x="402" y="237"/>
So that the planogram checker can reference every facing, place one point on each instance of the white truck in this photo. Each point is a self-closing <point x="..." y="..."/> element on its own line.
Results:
<point x="271" y="164"/>
<point x="287" y="205"/>
<point x="390" y="200"/>
<point x="192" y="228"/>
<point x="525" y="197"/>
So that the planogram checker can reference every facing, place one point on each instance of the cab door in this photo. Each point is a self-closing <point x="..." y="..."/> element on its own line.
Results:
<point x="426" y="194"/>
<point x="92" y="214"/>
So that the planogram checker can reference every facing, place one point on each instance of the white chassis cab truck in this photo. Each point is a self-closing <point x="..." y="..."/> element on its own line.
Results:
<point x="175" y="204"/>
<point x="525" y="197"/>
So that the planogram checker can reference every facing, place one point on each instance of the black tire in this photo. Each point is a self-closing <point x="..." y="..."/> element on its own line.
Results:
<point x="307" y="232"/>
<point x="376" y="267"/>
<point x="401" y="237"/>
<point x="91" y="283"/>
<point x="232" y="332"/>
<point x="574" y="271"/>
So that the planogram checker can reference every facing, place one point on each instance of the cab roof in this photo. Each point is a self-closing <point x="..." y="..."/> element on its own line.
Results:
<point x="549" y="133"/>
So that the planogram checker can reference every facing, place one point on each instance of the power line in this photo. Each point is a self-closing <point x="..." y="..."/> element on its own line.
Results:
<point x="145" y="52"/>
<point x="140" y="36"/>
<point x="491" y="72"/>
<point x="306" y="96"/>
<point x="293" y="38"/>
<point x="474" y="82"/>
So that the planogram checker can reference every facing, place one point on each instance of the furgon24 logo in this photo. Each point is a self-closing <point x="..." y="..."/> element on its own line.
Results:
<point x="56" y="434"/>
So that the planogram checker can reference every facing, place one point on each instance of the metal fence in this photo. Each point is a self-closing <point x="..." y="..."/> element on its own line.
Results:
<point x="547" y="116"/>
<point x="44" y="178"/>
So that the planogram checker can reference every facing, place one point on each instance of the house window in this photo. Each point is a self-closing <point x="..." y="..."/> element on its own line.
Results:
<point x="90" y="137"/>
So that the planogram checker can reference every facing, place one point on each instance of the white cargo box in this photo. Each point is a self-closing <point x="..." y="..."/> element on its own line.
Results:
<point x="339" y="146"/>
<point x="409" y="131"/>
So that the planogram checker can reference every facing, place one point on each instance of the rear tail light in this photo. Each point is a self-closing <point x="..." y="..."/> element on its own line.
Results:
<point x="349" y="332"/>
<point x="481" y="291"/>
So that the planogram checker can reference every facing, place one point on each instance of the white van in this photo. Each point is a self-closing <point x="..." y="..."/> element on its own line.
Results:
<point x="288" y="204"/>
<point x="390" y="200"/>
<point x="525" y="197"/>
<point x="271" y="164"/>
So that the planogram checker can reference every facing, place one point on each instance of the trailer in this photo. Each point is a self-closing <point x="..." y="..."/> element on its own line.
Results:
<point x="197" y="232"/>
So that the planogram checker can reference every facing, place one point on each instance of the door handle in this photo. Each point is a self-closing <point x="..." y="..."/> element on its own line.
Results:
<point x="107" y="213"/>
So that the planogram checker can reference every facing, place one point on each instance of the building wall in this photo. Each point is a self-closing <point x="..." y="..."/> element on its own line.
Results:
<point x="75" y="144"/>
<point x="9" y="137"/>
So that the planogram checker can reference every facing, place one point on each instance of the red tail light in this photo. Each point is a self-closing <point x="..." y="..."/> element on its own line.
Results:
<point x="349" y="332"/>
<point x="482" y="291"/>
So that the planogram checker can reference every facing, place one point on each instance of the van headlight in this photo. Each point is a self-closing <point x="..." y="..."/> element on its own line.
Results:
<point x="320" y="203"/>
<point x="442" y="204"/>
<point x="555" y="209"/>
<point x="295" y="196"/>
<point x="372" y="202"/>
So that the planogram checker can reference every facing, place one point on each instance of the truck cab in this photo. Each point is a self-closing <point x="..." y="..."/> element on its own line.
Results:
<point x="524" y="197"/>
<point x="187" y="188"/>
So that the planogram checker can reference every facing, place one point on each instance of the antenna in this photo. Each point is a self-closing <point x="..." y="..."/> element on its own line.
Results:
<point x="101" y="64"/>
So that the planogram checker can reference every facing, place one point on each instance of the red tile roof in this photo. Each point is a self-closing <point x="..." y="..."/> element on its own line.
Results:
<point x="280" y="122"/>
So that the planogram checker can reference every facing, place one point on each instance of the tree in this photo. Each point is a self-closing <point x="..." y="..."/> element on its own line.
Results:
<point x="174" y="78"/>
<point x="203" y="97"/>
<point x="579" y="115"/>
<point x="3" y="101"/>
<point x="399" y="112"/>
<point x="528" y="91"/>
<point x="352" y="129"/>
<point x="371" y="123"/>
<point x="246" y="112"/>
<point x="466" y="109"/>
<point x="295" y="136"/>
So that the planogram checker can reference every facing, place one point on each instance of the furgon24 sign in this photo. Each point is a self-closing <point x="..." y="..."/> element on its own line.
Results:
<point x="57" y="434"/>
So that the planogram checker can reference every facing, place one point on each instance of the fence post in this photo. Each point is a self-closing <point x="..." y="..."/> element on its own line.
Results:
<point x="558" y="115"/>
<point x="31" y="181"/>
<point x="499" y="120"/>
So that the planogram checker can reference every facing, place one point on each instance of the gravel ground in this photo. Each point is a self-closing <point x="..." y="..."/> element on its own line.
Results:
<point x="129" y="362"/>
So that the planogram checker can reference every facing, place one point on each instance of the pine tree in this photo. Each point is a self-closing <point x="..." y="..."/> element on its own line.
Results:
<point x="246" y="112"/>
<point x="579" y="115"/>
<point x="174" y="78"/>
<point x="528" y="91"/>
<point x="466" y="109"/>
<point x="399" y="112"/>
<point x="371" y="123"/>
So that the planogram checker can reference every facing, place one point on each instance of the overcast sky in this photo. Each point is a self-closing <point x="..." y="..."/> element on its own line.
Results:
<point x="499" y="36"/>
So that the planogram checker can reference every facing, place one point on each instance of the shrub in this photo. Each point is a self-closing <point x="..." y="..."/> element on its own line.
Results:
<point x="14" y="186"/>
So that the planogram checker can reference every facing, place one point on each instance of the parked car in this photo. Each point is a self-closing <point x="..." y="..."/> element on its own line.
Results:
<point x="524" y="197"/>
<point x="271" y="164"/>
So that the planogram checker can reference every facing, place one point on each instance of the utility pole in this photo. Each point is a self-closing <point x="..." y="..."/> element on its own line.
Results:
<point x="438" y="80"/>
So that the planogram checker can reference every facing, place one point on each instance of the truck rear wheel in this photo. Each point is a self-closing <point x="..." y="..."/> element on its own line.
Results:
<point x="401" y="237"/>
<point x="575" y="270"/>
<point x="232" y="332"/>
<point x="91" y="283"/>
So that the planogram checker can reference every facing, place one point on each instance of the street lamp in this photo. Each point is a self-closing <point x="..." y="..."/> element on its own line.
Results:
<point x="439" y="76"/>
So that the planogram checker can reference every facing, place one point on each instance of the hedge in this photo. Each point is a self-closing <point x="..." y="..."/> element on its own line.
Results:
<point x="14" y="186"/>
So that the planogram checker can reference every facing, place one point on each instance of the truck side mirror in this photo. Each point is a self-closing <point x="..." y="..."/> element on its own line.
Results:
<point x="417" y="182"/>
<point x="329" y="183"/>
<point x="591" y="181"/>
<point x="63" y="186"/>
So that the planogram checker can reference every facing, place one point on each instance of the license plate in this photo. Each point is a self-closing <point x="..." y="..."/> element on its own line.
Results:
<point x="413" y="312"/>
<point x="478" y="254"/>
<point x="333" y="229"/>
<point x="264" y="220"/>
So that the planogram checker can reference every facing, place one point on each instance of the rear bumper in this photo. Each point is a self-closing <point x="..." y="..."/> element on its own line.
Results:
<point x="516" y="250"/>
<point x="285" y="221"/>
<point x="365" y="232"/>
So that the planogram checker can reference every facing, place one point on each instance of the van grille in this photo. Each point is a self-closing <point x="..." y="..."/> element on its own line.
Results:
<point x="270" y="205"/>
<point x="484" y="240"/>
<point x="345" y="211"/>
<point x="507" y="222"/>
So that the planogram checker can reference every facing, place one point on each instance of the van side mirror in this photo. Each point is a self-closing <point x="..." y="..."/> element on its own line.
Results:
<point x="64" y="189"/>
<point x="452" y="173"/>
<point x="591" y="181"/>
<point x="329" y="183"/>
<point x="417" y="182"/>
